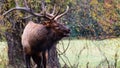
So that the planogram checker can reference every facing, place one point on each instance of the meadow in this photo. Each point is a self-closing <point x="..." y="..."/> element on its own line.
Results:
<point x="81" y="53"/>
<point x="3" y="54"/>
<point x="90" y="53"/>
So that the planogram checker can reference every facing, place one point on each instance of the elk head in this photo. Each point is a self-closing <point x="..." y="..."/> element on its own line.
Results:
<point x="59" y="29"/>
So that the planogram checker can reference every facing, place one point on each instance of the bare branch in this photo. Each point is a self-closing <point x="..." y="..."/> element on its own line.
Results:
<point x="65" y="48"/>
<point x="103" y="54"/>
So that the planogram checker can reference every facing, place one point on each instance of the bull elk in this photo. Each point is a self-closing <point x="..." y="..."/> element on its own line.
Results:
<point x="38" y="38"/>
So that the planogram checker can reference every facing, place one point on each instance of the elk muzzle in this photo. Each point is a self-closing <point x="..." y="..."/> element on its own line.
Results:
<point x="66" y="32"/>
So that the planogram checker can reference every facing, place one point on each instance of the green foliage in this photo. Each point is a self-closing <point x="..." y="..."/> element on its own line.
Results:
<point x="106" y="13"/>
<point x="94" y="17"/>
<point x="48" y="1"/>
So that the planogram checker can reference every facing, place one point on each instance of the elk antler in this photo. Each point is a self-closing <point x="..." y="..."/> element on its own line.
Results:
<point x="26" y="9"/>
<point x="45" y="14"/>
<point x="59" y="16"/>
<point x="53" y="10"/>
<point x="56" y="16"/>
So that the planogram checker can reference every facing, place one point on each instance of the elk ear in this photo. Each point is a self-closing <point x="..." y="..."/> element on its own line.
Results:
<point x="46" y="23"/>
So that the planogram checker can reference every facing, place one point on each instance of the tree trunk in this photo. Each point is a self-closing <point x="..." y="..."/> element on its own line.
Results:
<point x="53" y="61"/>
<point x="15" y="52"/>
<point x="12" y="36"/>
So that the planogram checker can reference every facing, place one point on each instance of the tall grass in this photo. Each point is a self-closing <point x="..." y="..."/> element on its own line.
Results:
<point x="81" y="53"/>
<point x="3" y="54"/>
<point x="89" y="53"/>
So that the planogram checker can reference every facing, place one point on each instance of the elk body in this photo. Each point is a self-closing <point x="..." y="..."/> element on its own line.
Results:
<point x="38" y="38"/>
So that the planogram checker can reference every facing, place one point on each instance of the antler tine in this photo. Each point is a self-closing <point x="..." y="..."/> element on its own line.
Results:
<point x="52" y="16"/>
<point x="57" y="17"/>
<point x="46" y="14"/>
<point x="25" y="3"/>
<point x="16" y="3"/>
<point x="56" y="13"/>
<point x="53" y="10"/>
<point x="43" y="7"/>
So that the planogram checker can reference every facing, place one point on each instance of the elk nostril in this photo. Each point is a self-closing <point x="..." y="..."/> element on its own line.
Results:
<point x="68" y="30"/>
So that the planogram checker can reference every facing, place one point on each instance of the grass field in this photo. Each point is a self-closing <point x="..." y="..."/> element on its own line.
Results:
<point x="3" y="54"/>
<point x="81" y="53"/>
<point x="91" y="53"/>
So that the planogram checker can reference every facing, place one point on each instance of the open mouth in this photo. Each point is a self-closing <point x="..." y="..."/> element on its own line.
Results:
<point x="67" y="35"/>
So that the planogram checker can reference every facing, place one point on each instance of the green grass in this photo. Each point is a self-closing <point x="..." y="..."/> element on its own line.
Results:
<point x="80" y="52"/>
